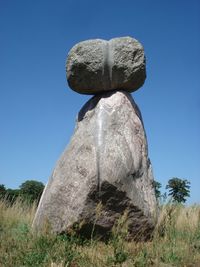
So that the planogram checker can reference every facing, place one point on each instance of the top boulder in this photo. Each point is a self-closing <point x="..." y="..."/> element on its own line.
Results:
<point x="96" y="66"/>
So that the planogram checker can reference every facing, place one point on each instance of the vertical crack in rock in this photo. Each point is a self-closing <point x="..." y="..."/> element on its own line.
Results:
<point x="103" y="114"/>
<point x="107" y="83"/>
<point x="107" y="65"/>
<point x="99" y="143"/>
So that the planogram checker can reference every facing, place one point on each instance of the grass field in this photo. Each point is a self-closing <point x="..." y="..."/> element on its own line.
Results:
<point x="176" y="242"/>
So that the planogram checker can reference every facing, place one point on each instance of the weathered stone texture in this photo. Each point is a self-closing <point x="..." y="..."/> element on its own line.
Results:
<point x="96" y="66"/>
<point x="106" y="161"/>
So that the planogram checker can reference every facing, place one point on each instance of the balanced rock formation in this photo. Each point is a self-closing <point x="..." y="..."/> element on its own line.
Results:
<point x="106" y="163"/>
<point x="96" y="66"/>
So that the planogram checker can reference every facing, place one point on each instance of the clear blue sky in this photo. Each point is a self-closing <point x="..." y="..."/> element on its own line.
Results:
<point x="38" y="110"/>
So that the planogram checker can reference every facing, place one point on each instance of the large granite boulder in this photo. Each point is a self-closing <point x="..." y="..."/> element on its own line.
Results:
<point x="96" y="66"/>
<point x="106" y="162"/>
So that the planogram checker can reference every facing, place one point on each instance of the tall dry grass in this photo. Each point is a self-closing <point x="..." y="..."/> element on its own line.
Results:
<point x="18" y="212"/>
<point x="176" y="242"/>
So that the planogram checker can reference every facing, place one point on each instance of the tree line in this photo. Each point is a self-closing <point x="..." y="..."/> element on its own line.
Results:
<point x="30" y="191"/>
<point x="178" y="190"/>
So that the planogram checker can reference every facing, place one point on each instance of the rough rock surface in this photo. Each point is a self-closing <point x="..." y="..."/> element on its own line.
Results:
<point x="96" y="66"/>
<point x="106" y="161"/>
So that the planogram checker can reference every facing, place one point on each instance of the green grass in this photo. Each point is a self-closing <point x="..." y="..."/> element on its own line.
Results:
<point x="176" y="242"/>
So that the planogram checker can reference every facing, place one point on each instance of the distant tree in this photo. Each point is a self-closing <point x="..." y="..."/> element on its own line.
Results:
<point x="31" y="190"/>
<point x="157" y="187"/>
<point x="11" y="195"/>
<point x="179" y="189"/>
<point x="2" y="191"/>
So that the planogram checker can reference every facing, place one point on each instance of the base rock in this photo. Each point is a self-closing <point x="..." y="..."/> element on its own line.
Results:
<point x="106" y="162"/>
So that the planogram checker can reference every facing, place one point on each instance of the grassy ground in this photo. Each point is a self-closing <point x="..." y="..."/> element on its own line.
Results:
<point x="176" y="242"/>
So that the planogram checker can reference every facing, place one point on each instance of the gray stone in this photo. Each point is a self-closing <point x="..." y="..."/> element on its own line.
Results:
<point x="96" y="66"/>
<point x="106" y="161"/>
